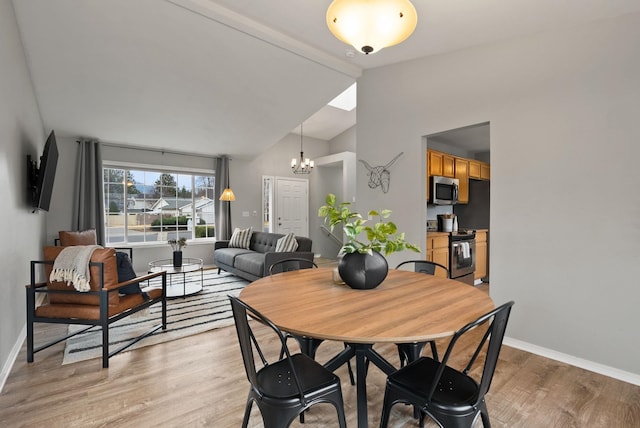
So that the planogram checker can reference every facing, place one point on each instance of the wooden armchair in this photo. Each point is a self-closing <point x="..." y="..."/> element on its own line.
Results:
<point x="99" y="307"/>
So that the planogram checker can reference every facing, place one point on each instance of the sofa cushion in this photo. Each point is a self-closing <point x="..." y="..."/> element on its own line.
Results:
<point x="287" y="243"/>
<point x="252" y="263"/>
<point x="125" y="273"/>
<point x="240" y="238"/>
<point x="227" y="256"/>
<point x="264" y="242"/>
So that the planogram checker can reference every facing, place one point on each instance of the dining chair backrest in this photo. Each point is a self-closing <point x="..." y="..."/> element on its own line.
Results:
<point x="248" y="341"/>
<point x="291" y="263"/>
<point x="497" y="320"/>
<point x="425" y="266"/>
<point x="282" y="388"/>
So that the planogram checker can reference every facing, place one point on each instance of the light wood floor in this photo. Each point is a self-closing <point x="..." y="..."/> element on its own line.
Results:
<point x="199" y="381"/>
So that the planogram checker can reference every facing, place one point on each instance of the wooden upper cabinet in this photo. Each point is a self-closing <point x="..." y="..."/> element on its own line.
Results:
<point x="434" y="165"/>
<point x="439" y="163"/>
<point x="448" y="166"/>
<point x="462" y="174"/>
<point x="485" y="171"/>
<point x="474" y="169"/>
<point x="479" y="170"/>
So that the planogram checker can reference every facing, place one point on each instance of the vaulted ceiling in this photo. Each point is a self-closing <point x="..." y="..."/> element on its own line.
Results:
<point x="235" y="76"/>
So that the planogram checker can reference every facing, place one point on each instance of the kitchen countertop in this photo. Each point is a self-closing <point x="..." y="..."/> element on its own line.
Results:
<point x="433" y="233"/>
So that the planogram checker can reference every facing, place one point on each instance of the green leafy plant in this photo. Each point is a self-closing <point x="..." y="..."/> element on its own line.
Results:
<point x="383" y="236"/>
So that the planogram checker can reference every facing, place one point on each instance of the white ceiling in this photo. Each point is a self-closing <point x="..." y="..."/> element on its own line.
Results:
<point x="235" y="76"/>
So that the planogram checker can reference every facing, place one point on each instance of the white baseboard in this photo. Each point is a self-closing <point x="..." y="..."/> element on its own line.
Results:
<point x="11" y="359"/>
<point x="632" y="378"/>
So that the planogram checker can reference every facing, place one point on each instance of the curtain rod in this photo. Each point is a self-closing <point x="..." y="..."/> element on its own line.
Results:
<point x="152" y="149"/>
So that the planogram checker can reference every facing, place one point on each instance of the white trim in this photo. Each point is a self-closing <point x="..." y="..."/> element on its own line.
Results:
<point x="11" y="359"/>
<point x="250" y="27"/>
<point x="612" y="372"/>
<point x="156" y="168"/>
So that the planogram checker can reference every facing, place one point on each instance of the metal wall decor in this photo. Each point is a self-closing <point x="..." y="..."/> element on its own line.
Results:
<point x="379" y="176"/>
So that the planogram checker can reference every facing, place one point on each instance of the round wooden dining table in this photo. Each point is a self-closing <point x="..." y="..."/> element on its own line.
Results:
<point x="408" y="307"/>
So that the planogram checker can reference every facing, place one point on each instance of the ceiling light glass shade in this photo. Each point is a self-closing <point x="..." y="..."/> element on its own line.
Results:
<point x="370" y="25"/>
<point x="227" y="195"/>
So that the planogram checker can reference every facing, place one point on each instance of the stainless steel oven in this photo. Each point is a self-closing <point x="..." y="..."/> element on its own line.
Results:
<point x="462" y="256"/>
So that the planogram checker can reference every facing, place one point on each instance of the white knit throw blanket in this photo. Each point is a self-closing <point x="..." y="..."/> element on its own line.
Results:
<point x="72" y="266"/>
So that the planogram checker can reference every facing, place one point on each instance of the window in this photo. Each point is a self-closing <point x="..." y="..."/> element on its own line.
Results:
<point x="143" y="205"/>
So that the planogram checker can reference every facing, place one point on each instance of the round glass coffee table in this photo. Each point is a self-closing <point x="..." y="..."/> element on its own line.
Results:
<point x="180" y="286"/>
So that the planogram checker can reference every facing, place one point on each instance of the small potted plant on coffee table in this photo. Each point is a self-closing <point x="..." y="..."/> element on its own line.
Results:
<point x="177" y="245"/>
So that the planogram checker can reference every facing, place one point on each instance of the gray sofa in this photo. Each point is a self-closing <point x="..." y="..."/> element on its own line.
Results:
<point x="254" y="263"/>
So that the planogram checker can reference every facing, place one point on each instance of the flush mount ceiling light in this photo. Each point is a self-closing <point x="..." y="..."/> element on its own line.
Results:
<point x="370" y="25"/>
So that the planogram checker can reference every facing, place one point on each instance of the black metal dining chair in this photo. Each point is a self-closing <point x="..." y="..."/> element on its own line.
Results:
<point x="290" y="264"/>
<point x="293" y="264"/>
<point x="408" y="352"/>
<point x="285" y="388"/>
<point x="450" y="396"/>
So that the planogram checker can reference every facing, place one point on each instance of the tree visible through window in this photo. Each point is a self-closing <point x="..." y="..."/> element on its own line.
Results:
<point x="152" y="206"/>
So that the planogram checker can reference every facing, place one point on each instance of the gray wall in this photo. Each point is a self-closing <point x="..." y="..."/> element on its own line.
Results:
<point x="21" y="134"/>
<point x="563" y="109"/>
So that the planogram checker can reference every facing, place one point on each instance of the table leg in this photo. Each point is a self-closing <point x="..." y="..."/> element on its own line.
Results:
<point x="363" y="352"/>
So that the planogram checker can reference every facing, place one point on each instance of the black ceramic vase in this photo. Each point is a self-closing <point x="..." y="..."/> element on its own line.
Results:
<point x="363" y="271"/>
<point x="177" y="259"/>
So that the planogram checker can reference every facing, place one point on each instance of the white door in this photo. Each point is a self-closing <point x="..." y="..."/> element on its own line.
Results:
<point x="292" y="206"/>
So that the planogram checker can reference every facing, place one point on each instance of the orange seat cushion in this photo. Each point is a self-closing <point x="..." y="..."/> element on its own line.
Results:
<point x="92" y="312"/>
<point x="85" y="237"/>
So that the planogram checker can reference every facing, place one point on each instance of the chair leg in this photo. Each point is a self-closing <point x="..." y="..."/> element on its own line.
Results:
<point x="30" y="309"/>
<point x="386" y="409"/>
<point x="484" y="414"/>
<point x="247" y="413"/>
<point x="105" y="346"/>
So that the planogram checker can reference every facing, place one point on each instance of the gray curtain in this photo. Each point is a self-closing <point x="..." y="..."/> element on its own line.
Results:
<point x="88" y="204"/>
<point x="223" y="208"/>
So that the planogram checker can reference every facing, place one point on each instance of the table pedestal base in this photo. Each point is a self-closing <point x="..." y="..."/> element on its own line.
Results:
<point x="364" y="353"/>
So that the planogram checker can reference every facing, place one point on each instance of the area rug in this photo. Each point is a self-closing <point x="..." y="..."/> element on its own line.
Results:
<point x="186" y="316"/>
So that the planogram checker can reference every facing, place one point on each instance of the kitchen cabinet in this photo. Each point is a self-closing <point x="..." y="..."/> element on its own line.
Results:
<point x="481" y="254"/>
<point x="485" y="171"/>
<point x="446" y="165"/>
<point x="434" y="163"/>
<point x="462" y="174"/>
<point x="439" y="163"/>
<point x="438" y="249"/>
<point x="479" y="170"/>
<point x="474" y="169"/>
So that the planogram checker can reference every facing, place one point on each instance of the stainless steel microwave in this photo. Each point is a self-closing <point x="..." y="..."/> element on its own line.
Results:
<point x="444" y="190"/>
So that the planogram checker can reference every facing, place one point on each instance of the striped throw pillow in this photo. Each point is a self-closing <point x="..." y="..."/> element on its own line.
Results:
<point x="287" y="243"/>
<point x="240" y="238"/>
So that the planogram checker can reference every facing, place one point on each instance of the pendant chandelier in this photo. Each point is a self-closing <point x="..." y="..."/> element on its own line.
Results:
<point x="303" y="165"/>
<point x="370" y="25"/>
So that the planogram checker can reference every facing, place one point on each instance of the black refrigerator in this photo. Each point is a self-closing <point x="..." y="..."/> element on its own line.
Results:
<point x="475" y="214"/>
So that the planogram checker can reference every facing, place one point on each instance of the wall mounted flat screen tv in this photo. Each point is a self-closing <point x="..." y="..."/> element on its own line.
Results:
<point x="40" y="178"/>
